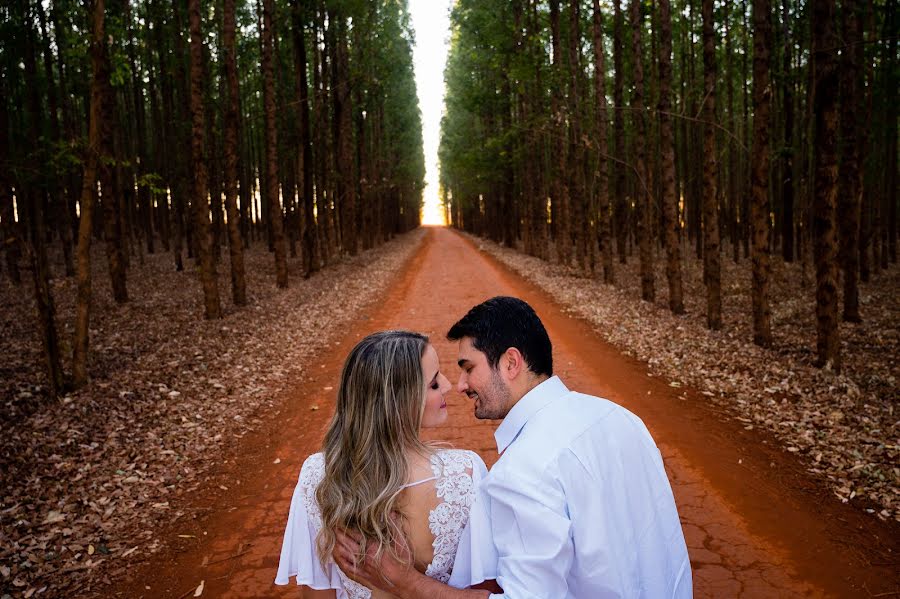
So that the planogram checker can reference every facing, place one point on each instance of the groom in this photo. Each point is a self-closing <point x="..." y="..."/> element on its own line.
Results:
<point x="579" y="502"/>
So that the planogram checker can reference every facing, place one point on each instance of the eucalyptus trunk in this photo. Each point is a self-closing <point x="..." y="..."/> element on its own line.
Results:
<point x="711" y="257"/>
<point x="759" y="186"/>
<point x="671" y="224"/>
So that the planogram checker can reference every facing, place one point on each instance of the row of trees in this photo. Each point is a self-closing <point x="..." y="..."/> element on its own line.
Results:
<point x="192" y="125"/>
<point x="770" y="125"/>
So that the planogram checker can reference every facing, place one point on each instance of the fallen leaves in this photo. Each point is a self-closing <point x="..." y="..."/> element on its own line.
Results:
<point x="845" y="427"/>
<point x="86" y="481"/>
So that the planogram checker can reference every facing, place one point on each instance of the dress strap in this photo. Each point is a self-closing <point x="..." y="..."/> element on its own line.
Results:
<point x="418" y="482"/>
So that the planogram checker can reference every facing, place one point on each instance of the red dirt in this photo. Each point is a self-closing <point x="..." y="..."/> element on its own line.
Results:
<point x="756" y="525"/>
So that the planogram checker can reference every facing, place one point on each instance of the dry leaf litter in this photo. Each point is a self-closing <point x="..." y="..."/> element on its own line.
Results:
<point x="844" y="427"/>
<point x="86" y="481"/>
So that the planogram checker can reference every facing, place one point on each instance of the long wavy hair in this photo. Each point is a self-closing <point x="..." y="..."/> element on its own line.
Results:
<point x="380" y="403"/>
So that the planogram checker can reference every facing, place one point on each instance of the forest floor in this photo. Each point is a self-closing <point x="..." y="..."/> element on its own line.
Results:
<point x="87" y="481"/>
<point x="844" y="427"/>
<point x="173" y="471"/>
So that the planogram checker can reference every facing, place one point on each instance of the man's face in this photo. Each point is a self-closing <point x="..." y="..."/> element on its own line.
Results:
<point x="481" y="383"/>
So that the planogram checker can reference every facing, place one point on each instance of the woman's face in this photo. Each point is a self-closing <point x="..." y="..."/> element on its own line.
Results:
<point x="436" y="386"/>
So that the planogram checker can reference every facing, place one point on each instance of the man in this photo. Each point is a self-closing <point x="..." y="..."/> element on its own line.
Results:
<point x="579" y="502"/>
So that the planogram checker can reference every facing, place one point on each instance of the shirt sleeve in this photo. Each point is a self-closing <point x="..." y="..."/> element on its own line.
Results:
<point x="476" y="558"/>
<point x="298" y="549"/>
<point x="532" y="536"/>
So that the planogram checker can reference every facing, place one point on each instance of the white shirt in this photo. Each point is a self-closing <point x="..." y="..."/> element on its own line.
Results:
<point x="579" y="503"/>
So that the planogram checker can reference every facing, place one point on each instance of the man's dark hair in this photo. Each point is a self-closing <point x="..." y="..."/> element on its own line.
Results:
<point x="504" y="322"/>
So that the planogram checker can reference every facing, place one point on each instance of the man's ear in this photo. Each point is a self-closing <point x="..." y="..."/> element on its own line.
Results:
<point x="512" y="363"/>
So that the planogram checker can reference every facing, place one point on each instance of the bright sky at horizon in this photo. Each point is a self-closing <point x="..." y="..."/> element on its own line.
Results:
<point x="431" y="22"/>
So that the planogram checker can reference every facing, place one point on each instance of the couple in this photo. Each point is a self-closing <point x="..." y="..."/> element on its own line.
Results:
<point x="578" y="505"/>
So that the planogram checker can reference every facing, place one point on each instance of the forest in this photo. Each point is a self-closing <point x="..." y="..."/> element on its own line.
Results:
<point x="203" y="205"/>
<point x="191" y="128"/>
<point x="753" y="130"/>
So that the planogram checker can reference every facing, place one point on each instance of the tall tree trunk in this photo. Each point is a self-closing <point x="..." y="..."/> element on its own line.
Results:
<point x="711" y="257"/>
<point x="620" y="205"/>
<point x="111" y="200"/>
<point x="759" y="188"/>
<point x="202" y="230"/>
<point x="787" y="179"/>
<point x="642" y="191"/>
<point x="343" y="138"/>
<point x="235" y="243"/>
<point x="578" y="217"/>
<point x="605" y="233"/>
<point x="889" y="62"/>
<point x="867" y="97"/>
<point x="96" y="147"/>
<point x="824" y="44"/>
<point x="672" y="226"/>
<point x="304" y="156"/>
<point x="31" y="188"/>
<point x="59" y="193"/>
<point x="560" y="201"/>
<point x="850" y="183"/>
<point x="45" y="306"/>
<point x="275" y="214"/>
<point x="8" y="226"/>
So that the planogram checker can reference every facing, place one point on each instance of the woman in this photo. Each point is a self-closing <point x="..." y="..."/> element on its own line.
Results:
<point x="376" y="476"/>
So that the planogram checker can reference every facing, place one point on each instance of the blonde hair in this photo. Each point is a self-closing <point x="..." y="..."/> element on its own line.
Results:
<point x="376" y="423"/>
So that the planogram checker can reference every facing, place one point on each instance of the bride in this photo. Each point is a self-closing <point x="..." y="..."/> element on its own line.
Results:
<point x="376" y="476"/>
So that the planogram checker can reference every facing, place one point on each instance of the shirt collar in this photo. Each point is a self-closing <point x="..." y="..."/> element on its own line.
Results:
<point x="530" y="404"/>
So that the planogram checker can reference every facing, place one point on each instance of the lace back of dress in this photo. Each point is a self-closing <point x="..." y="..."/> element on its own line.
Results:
<point x="455" y="488"/>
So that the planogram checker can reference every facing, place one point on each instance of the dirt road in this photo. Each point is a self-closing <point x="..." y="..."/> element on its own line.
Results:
<point x="755" y="525"/>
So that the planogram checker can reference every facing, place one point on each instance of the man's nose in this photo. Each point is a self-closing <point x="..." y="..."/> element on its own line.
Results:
<point x="462" y="384"/>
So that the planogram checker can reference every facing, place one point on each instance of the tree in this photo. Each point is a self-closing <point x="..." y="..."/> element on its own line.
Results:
<point x="620" y="206"/>
<point x="824" y="43"/>
<point x="275" y="214"/>
<point x="759" y="188"/>
<point x="850" y="182"/>
<point x="671" y="223"/>
<point x="203" y="234"/>
<point x="235" y="243"/>
<point x="604" y="229"/>
<point x="642" y="191"/>
<point x="97" y="147"/>
<point x="711" y="257"/>
<point x="304" y="156"/>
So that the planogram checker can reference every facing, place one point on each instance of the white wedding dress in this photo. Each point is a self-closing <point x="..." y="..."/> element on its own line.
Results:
<point x="457" y="476"/>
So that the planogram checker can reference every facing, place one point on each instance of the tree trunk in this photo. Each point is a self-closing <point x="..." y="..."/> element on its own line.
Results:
<point x="711" y="257"/>
<point x="620" y="204"/>
<point x="202" y="231"/>
<point x="275" y="214"/>
<point x="235" y="243"/>
<point x="605" y="233"/>
<point x="560" y="201"/>
<point x="304" y="156"/>
<point x="759" y="207"/>
<point x="672" y="226"/>
<point x="96" y="147"/>
<point x="45" y="306"/>
<point x="578" y="217"/>
<point x="642" y="191"/>
<point x="8" y="226"/>
<point x="59" y="193"/>
<point x="824" y="45"/>
<point x="343" y="138"/>
<point x="849" y="182"/>
<point x="787" y="178"/>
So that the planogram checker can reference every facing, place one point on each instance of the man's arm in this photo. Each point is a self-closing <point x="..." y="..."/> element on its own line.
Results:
<point x="393" y="576"/>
